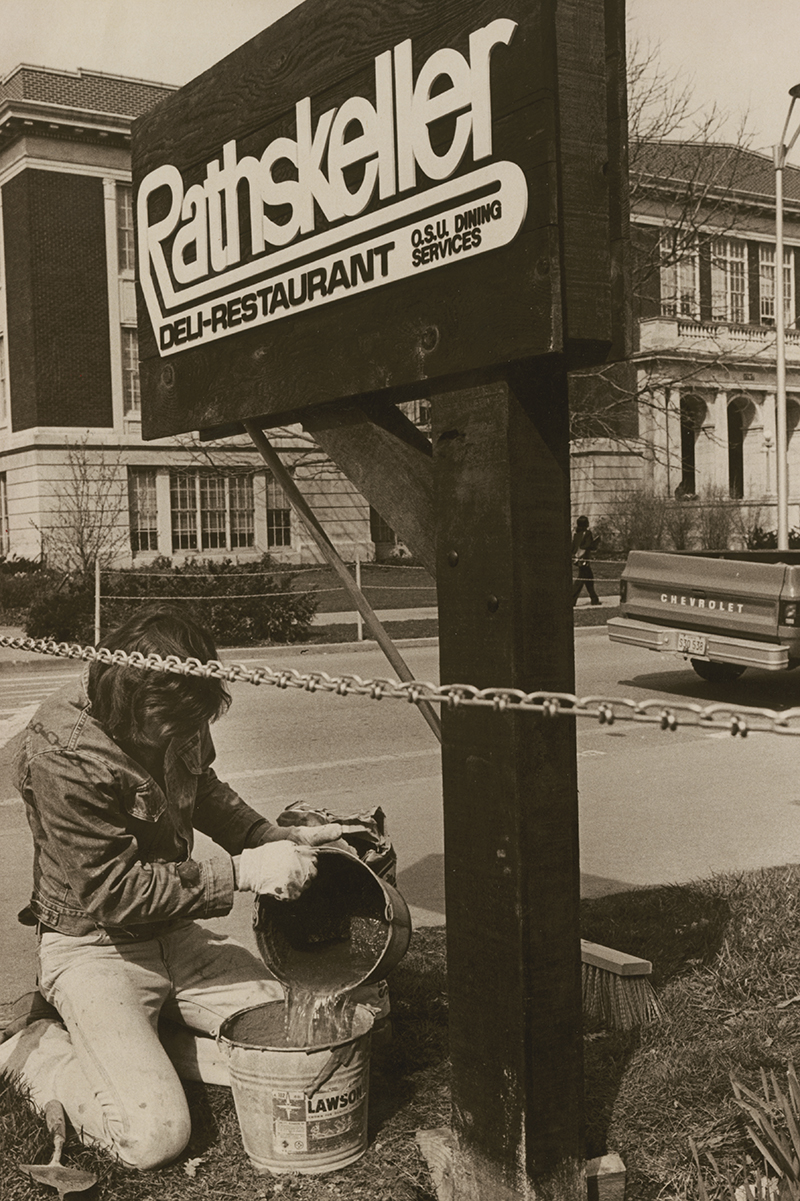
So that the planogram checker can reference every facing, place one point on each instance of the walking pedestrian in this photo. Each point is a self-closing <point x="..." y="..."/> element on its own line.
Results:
<point x="584" y="543"/>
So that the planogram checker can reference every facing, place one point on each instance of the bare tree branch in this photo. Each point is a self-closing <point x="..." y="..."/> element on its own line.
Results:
<point x="88" y="518"/>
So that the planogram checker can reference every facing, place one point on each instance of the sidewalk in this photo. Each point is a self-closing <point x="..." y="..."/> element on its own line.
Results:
<point x="350" y="619"/>
<point x="13" y="658"/>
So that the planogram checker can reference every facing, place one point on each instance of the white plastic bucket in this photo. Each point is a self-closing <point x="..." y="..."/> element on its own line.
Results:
<point x="300" y="1109"/>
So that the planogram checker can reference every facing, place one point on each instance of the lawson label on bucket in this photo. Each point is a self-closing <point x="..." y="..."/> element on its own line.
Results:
<point x="323" y="1121"/>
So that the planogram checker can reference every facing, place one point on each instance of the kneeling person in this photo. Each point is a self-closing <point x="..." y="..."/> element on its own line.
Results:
<point x="116" y="775"/>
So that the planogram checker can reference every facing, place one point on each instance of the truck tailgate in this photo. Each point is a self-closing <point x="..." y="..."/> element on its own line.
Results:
<point x="704" y="594"/>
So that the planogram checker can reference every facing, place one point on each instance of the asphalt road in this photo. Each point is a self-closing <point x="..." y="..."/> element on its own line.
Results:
<point x="655" y="806"/>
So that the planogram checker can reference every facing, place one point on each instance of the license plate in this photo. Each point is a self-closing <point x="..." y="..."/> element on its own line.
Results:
<point x="692" y="644"/>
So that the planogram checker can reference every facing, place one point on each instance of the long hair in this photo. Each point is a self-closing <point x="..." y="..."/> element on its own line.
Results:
<point x="122" y="696"/>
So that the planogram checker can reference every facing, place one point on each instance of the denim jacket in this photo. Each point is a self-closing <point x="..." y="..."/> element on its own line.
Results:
<point x="112" y="848"/>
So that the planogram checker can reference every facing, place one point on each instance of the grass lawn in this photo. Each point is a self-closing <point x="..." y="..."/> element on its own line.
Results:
<point x="726" y="955"/>
<point x="387" y="587"/>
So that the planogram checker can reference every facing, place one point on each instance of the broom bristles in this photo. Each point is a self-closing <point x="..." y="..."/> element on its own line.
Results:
<point x="617" y="1001"/>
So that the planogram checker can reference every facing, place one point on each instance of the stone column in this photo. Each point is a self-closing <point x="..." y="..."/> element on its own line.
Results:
<point x="660" y="436"/>
<point x="768" y="421"/>
<point x="674" y="458"/>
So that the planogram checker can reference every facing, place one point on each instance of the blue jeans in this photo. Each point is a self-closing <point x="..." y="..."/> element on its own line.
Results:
<point x="109" y="1068"/>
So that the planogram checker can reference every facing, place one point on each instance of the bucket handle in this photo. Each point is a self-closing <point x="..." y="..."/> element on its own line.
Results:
<point x="339" y="1058"/>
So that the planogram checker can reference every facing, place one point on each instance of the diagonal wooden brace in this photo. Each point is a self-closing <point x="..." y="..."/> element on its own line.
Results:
<point x="330" y="554"/>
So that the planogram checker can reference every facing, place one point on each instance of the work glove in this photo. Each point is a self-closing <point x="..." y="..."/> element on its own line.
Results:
<point x="280" y="869"/>
<point x="314" y="836"/>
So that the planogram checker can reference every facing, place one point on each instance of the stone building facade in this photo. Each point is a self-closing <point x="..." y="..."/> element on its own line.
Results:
<point x="701" y="387"/>
<point x="69" y="386"/>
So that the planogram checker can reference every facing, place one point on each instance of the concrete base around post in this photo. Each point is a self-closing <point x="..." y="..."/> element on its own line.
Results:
<point x="605" y="1176"/>
<point x="436" y="1148"/>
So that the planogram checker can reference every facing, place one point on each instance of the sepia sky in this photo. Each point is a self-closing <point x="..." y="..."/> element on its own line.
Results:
<point x="743" y="55"/>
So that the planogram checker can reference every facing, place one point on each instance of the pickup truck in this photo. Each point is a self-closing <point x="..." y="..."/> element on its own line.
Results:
<point x="724" y="611"/>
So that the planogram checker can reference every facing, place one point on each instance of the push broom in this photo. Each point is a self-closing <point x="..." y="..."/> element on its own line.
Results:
<point x="616" y="988"/>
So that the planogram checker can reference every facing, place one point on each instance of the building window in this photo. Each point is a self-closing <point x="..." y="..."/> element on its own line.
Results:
<point x="693" y="414"/>
<point x="418" y="411"/>
<point x="131" y="396"/>
<point x="212" y="510"/>
<point x="792" y="419"/>
<point x="680" y="290"/>
<point x="279" y="516"/>
<point x="740" y="414"/>
<point x="3" y="383"/>
<point x="142" y="509"/>
<point x="379" y="530"/>
<point x="125" y="239"/>
<point x="242" y="510"/>
<point x="5" y="540"/>
<point x="766" y="285"/>
<point x="184" y="505"/>
<point x="729" y="297"/>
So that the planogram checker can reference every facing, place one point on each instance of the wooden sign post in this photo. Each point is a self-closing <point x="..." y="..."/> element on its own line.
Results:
<point x="379" y="200"/>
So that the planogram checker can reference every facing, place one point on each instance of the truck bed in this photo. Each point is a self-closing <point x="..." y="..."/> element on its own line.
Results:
<point x="733" y="591"/>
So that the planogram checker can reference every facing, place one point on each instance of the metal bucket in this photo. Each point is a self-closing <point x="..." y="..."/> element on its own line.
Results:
<point x="300" y="1109"/>
<point x="349" y="928"/>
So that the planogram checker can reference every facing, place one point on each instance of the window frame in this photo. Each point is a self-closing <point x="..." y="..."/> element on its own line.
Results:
<point x="680" y="279"/>
<point x="766" y="284"/>
<point x="4" y="414"/>
<point x="5" y="533"/>
<point x="206" y="517"/>
<point x="279" y="516"/>
<point x="126" y="237"/>
<point x="138" y="525"/>
<point x="131" y="386"/>
<point x="729" y="264"/>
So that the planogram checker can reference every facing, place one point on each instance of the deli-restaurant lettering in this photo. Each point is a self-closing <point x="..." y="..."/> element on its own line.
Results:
<point x="202" y="279"/>
<point x="701" y="602"/>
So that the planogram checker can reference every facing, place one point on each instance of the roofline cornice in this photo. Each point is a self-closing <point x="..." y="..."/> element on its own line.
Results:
<point x="86" y="72"/>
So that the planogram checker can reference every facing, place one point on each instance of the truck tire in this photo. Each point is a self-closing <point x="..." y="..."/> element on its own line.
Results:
<point x="716" y="673"/>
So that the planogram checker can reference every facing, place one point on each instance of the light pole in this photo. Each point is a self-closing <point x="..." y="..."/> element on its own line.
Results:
<point x="781" y="152"/>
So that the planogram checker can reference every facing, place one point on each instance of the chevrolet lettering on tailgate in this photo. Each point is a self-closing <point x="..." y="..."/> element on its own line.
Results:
<point x="702" y="602"/>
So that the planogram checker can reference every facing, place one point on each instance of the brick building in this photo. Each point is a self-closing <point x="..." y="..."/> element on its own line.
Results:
<point x="700" y="412"/>
<point x="69" y="386"/>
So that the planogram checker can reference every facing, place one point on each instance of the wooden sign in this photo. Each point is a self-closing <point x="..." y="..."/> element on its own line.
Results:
<point x="367" y="196"/>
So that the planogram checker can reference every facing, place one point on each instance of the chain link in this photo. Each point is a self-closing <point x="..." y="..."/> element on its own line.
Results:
<point x="739" y="719"/>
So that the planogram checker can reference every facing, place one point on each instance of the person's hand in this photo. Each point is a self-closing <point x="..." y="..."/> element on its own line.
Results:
<point x="315" y="836"/>
<point x="279" y="869"/>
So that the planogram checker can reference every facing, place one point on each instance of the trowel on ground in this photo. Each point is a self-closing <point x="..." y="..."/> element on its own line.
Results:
<point x="54" y="1174"/>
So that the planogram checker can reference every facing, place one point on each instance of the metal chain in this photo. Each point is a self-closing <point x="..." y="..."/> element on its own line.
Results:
<point x="739" y="719"/>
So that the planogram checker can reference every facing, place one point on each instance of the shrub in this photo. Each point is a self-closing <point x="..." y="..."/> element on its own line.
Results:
<point x="761" y="539"/>
<point x="634" y="520"/>
<point x="717" y="519"/>
<point x="64" y="614"/>
<point x="15" y="566"/>
<point x="239" y="603"/>
<point x="22" y="581"/>
<point x="680" y="520"/>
